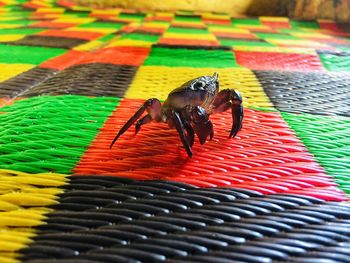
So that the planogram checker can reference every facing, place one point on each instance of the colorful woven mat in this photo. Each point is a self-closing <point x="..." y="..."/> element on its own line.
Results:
<point x="72" y="76"/>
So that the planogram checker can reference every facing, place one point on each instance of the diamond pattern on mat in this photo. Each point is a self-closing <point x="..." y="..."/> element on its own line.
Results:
<point x="265" y="156"/>
<point x="317" y="93"/>
<point x="95" y="79"/>
<point x="49" y="41"/>
<point x="110" y="219"/>
<point x="16" y="86"/>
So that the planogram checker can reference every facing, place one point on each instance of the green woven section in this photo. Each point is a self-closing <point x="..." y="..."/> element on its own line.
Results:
<point x="344" y="48"/>
<point x="46" y="133"/>
<point x="20" y="31"/>
<point x="143" y="37"/>
<point x="189" y="18"/>
<point x="252" y="43"/>
<point x="334" y="62"/>
<point x="197" y="58"/>
<point x="107" y="38"/>
<point x="246" y="21"/>
<point x="136" y="16"/>
<point x="275" y="36"/>
<point x="305" y="24"/>
<point x="102" y="25"/>
<point x="328" y="139"/>
<point x="18" y="22"/>
<point x="187" y="30"/>
<point x="28" y="54"/>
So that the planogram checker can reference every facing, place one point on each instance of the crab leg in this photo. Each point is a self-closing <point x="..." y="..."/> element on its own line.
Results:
<point x="178" y="123"/>
<point x="152" y="106"/>
<point x="190" y="133"/>
<point x="229" y="98"/>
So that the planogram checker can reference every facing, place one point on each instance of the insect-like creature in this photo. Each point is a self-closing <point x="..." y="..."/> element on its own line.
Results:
<point x="188" y="107"/>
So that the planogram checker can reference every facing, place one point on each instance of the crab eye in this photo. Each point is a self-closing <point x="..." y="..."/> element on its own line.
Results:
<point x="199" y="85"/>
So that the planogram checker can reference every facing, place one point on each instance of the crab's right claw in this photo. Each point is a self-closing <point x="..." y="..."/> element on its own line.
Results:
<point x="237" y="113"/>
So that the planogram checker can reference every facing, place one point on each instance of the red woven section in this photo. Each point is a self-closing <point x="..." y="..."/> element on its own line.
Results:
<point x="189" y="42"/>
<point x="130" y="56"/>
<point x="265" y="156"/>
<point x="71" y="58"/>
<point x="278" y="61"/>
<point x="276" y="24"/>
<point x="73" y="34"/>
<point x="217" y="21"/>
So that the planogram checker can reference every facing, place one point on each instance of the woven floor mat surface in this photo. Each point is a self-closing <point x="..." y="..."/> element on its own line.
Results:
<point x="120" y="220"/>
<point x="71" y="76"/>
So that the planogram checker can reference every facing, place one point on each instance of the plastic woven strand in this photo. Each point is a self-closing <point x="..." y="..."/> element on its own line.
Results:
<point x="264" y="156"/>
<point x="328" y="139"/>
<point x="16" y="86"/>
<point x="317" y="93"/>
<point x="24" y="199"/>
<point x="112" y="219"/>
<point x="95" y="79"/>
<point x="278" y="61"/>
<point x="50" y="133"/>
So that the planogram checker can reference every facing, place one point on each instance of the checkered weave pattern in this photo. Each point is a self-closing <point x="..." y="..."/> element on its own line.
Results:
<point x="71" y="76"/>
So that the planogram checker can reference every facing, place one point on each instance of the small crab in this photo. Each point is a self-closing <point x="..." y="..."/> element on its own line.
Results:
<point x="187" y="108"/>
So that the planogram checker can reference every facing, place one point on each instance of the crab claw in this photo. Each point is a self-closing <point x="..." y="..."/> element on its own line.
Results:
<point x="202" y="126"/>
<point x="237" y="113"/>
<point x="230" y="98"/>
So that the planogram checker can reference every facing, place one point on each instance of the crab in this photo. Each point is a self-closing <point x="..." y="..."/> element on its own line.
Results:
<point x="187" y="109"/>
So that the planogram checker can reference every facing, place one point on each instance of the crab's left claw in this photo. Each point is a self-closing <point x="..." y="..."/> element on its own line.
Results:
<point x="201" y="124"/>
<point x="229" y="98"/>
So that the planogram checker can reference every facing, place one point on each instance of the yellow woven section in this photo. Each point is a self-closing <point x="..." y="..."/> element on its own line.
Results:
<point x="89" y="46"/>
<point x="5" y="26"/>
<point x="158" y="81"/>
<point x="274" y="19"/>
<point x="11" y="37"/>
<point x="23" y="204"/>
<point x="190" y="36"/>
<point x="130" y="43"/>
<point x="10" y="70"/>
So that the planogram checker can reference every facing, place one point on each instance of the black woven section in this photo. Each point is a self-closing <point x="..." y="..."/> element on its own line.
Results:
<point x="49" y="41"/>
<point x="316" y="93"/>
<point x="109" y="219"/>
<point x="95" y="79"/>
<point x="17" y="85"/>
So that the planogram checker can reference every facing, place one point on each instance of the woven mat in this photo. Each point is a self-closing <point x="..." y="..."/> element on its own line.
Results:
<point x="71" y="76"/>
